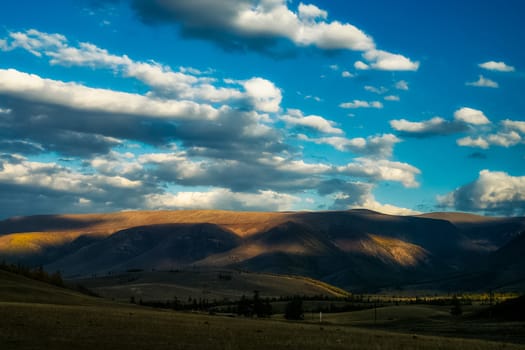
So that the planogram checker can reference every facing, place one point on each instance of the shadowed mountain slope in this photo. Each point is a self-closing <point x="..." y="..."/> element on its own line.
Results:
<point x="356" y="249"/>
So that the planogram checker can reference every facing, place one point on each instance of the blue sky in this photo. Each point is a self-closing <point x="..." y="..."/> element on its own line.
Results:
<point x="400" y="107"/>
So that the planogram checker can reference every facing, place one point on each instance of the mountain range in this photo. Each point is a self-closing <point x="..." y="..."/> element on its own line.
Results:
<point x="359" y="250"/>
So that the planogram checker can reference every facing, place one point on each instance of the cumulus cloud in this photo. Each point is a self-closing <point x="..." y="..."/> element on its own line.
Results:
<point x="401" y="85"/>
<point x="202" y="129"/>
<point x="295" y="118"/>
<point x="267" y="173"/>
<point x="311" y="12"/>
<point x="47" y="187"/>
<point x="483" y="82"/>
<point x="383" y="60"/>
<point x="185" y="84"/>
<point x="360" y="65"/>
<point x="361" y="104"/>
<point x="518" y="126"/>
<point x="392" y="98"/>
<point x="222" y="198"/>
<point x="186" y="96"/>
<point x="265" y="95"/>
<point x="32" y="87"/>
<point x="471" y="116"/>
<point x="382" y="169"/>
<point x="33" y="41"/>
<point x="497" y="66"/>
<point x="509" y="133"/>
<point x="377" y="146"/>
<point x="376" y="90"/>
<point x="358" y="195"/>
<point x="502" y="139"/>
<point x="432" y="127"/>
<point x="469" y="141"/>
<point x="260" y="25"/>
<point x="494" y="192"/>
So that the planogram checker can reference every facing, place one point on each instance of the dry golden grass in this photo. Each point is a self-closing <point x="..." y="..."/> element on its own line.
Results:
<point x="241" y="223"/>
<point x="389" y="250"/>
<point x="403" y="253"/>
<point x="34" y="242"/>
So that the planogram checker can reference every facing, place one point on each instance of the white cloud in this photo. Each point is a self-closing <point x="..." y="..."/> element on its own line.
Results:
<point x="483" y="82"/>
<point x="383" y="60"/>
<point x="473" y="142"/>
<point x="276" y="19"/>
<point x="347" y="74"/>
<point x="361" y="104"/>
<point x="187" y="84"/>
<point x="392" y="98"/>
<point x="471" y="116"/>
<point x="358" y="195"/>
<point x="360" y="65"/>
<point x="5" y="111"/>
<point x="242" y="21"/>
<point x="504" y="139"/>
<point x="86" y="54"/>
<point x="265" y="95"/>
<point x="417" y="127"/>
<point x="222" y="198"/>
<point x="334" y="67"/>
<point x="378" y="146"/>
<point x="497" y="66"/>
<point x="494" y="191"/>
<point x="315" y="98"/>
<point x="506" y="135"/>
<point x="384" y="170"/>
<point x="376" y="90"/>
<point x="116" y="163"/>
<point x="51" y="176"/>
<point x="311" y="12"/>
<point x="33" y="41"/>
<point x="372" y="204"/>
<point x="402" y="85"/>
<point x="296" y="118"/>
<point x="84" y="201"/>
<point x="427" y="128"/>
<point x="75" y="96"/>
<point x="514" y="125"/>
<point x="296" y="166"/>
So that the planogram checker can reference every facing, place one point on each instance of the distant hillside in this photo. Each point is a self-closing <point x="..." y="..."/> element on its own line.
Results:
<point x="17" y="288"/>
<point x="205" y="284"/>
<point x="356" y="249"/>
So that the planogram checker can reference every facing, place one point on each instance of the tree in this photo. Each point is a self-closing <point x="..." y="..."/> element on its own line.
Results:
<point x="244" y="308"/>
<point x="294" y="309"/>
<point x="456" y="309"/>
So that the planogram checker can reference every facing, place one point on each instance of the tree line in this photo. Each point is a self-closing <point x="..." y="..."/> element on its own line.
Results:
<point x="36" y="273"/>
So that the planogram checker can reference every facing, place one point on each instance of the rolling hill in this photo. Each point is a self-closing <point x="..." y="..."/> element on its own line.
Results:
<point x="356" y="249"/>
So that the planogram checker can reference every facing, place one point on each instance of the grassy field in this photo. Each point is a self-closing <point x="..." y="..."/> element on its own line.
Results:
<point x="203" y="283"/>
<point x="34" y="315"/>
<point x="431" y="320"/>
<point x="45" y="326"/>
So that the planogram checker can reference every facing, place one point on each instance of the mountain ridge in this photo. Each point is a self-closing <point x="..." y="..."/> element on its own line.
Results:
<point x="355" y="249"/>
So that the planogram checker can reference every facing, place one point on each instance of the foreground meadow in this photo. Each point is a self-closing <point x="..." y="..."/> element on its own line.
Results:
<point x="48" y="326"/>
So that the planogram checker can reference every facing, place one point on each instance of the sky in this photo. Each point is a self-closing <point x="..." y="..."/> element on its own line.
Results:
<point x="401" y="107"/>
